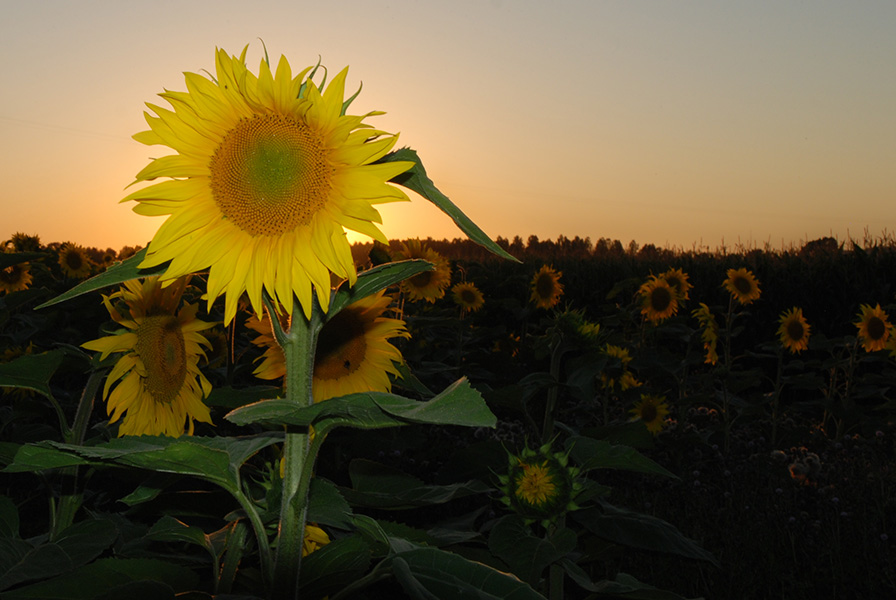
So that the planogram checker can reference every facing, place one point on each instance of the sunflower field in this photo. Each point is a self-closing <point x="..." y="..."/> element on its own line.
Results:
<point x="249" y="407"/>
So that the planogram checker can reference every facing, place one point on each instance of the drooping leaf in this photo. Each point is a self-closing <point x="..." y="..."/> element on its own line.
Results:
<point x="636" y="530"/>
<point x="374" y="280"/>
<point x="416" y="179"/>
<point x="31" y="371"/>
<point x="528" y="555"/>
<point x="114" y="275"/>
<point x="590" y="453"/>
<point x="329" y="568"/>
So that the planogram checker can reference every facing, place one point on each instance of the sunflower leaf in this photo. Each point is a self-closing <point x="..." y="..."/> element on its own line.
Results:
<point x="590" y="453"/>
<point x="376" y="279"/>
<point x="114" y="275"/>
<point x="15" y="258"/>
<point x="416" y="179"/>
<point x="31" y="371"/>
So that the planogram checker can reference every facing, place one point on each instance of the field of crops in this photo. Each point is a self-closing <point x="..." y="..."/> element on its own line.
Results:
<point x="667" y="424"/>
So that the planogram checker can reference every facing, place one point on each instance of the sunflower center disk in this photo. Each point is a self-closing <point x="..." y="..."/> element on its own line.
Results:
<point x="795" y="330"/>
<point x="876" y="328"/>
<point x="743" y="285"/>
<point x="660" y="299"/>
<point x="544" y="287"/>
<point x="160" y="344"/>
<point x="270" y="175"/>
<point x="341" y="347"/>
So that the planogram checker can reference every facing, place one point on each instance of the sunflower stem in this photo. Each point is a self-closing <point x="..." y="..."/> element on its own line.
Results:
<point x="298" y="348"/>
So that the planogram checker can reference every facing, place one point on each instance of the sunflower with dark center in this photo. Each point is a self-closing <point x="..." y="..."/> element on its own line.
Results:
<point x="659" y="300"/>
<point x="793" y="330"/>
<point x="546" y="287"/>
<point x="467" y="296"/>
<point x="15" y="278"/>
<point x="429" y="285"/>
<point x="268" y="173"/>
<point x="540" y="485"/>
<point x="652" y="411"/>
<point x="678" y="280"/>
<point x="74" y="261"/>
<point x="874" y="327"/>
<point x="742" y="285"/>
<point x="352" y="353"/>
<point x="155" y="387"/>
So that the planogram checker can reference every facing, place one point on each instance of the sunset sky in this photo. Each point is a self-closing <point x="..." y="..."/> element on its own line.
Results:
<point x="667" y="122"/>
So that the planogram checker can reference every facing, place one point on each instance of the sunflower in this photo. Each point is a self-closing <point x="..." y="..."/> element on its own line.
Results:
<point x="467" y="296"/>
<point x="268" y="172"/>
<point x="652" y="411"/>
<point x="794" y="330"/>
<point x="678" y="280"/>
<point x="874" y="327"/>
<point x="74" y="261"/>
<point x="619" y="376"/>
<point x="659" y="300"/>
<point x="428" y="285"/>
<point x="352" y="352"/>
<point x="540" y="484"/>
<point x="546" y="287"/>
<point x="710" y="335"/>
<point x="15" y="278"/>
<point x="158" y="385"/>
<point x="742" y="285"/>
<point x="315" y="538"/>
<point x="22" y="242"/>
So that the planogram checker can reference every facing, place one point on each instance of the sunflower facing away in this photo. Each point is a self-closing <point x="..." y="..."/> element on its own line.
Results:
<point x="352" y="355"/>
<point x="652" y="411"/>
<point x="710" y="335"/>
<point x="74" y="261"/>
<point x="742" y="285"/>
<point x="467" y="296"/>
<point x="794" y="330"/>
<point x="618" y="376"/>
<point x="15" y="278"/>
<point x="546" y="287"/>
<point x="678" y="280"/>
<point x="874" y="327"/>
<point x="158" y="388"/>
<point x="659" y="300"/>
<point x="268" y="172"/>
<point x="428" y="285"/>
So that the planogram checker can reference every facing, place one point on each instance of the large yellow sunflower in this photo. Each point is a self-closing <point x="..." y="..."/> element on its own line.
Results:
<point x="74" y="261"/>
<point x="794" y="330"/>
<point x="874" y="327"/>
<point x="352" y="353"/>
<point x="652" y="411"/>
<point x="467" y="296"/>
<point x="158" y="386"/>
<point x="268" y="172"/>
<point x="428" y="285"/>
<point x="659" y="300"/>
<point x="546" y="287"/>
<point x="678" y="279"/>
<point x="742" y="285"/>
<point x="15" y="278"/>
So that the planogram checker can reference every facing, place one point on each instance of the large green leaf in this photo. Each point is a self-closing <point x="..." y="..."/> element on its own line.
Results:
<point x="374" y="280"/>
<point x="636" y="530"/>
<point x="114" y="275"/>
<point x="77" y="546"/>
<point x="590" y="453"/>
<point x="378" y="486"/>
<point x="427" y="573"/>
<point x="416" y="179"/>
<point x="104" y="576"/>
<point x="327" y="569"/>
<point x="169" y="529"/>
<point x="9" y="518"/>
<point x="37" y="458"/>
<point x="31" y="371"/>
<point x="459" y="404"/>
<point x="527" y="555"/>
<point x="326" y="505"/>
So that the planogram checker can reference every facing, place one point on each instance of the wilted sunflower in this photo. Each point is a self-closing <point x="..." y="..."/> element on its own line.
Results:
<point x="15" y="278"/>
<point x="428" y="285"/>
<point x="546" y="287"/>
<point x="268" y="173"/>
<point x="710" y="335"/>
<point x="678" y="279"/>
<point x="659" y="300"/>
<point x="794" y="330"/>
<point x="742" y="285"/>
<point x="158" y="386"/>
<point x="352" y="355"/>
<point x="74" y="261"/>
<point x="652" y="411"/>
<point x="874" y="327"/>
<point x="467" y="296"/>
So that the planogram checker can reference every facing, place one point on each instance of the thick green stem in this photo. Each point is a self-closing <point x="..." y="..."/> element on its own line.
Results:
<point x="547" y="431"/>
<point x="298" y="349"/>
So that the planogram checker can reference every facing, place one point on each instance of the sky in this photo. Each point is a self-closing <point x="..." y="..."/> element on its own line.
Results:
<point x="678" y="123"/>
